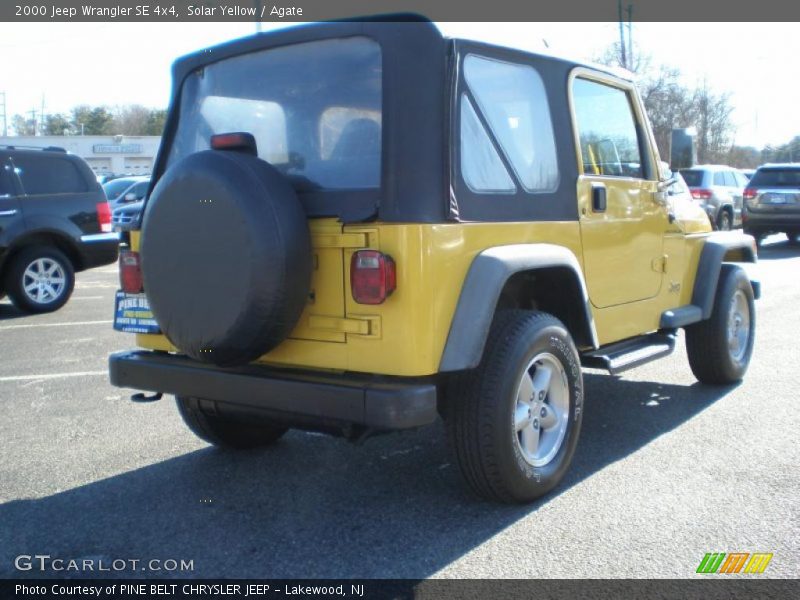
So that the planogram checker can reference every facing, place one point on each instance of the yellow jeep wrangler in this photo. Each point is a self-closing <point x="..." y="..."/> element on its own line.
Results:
<point x="354" y="226"/>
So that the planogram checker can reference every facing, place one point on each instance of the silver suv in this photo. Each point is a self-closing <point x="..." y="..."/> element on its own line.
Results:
<point x="772" y="201"/>
<point x="719" y="189"/>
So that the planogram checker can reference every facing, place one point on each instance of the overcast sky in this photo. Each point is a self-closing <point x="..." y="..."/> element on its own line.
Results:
<point x="127" y="63"/>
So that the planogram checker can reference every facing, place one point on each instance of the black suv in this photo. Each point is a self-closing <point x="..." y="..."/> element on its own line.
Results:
<point x="54" y="221"/>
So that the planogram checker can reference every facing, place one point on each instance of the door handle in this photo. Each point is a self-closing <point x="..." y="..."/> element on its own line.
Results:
<point x="8" y="213"/>
<point x="599" y="200"/>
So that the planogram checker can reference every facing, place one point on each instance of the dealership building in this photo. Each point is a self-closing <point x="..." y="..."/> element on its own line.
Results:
<point x="106" y="154"/>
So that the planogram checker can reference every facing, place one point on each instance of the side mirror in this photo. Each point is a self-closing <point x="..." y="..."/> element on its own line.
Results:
<point x="665" y="184"/>
<point x="663" y="190"/>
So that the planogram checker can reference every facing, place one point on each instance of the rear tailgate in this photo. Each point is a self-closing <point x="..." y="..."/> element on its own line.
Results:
<point x="324" y="318"/>
<point x="776" y="200"/>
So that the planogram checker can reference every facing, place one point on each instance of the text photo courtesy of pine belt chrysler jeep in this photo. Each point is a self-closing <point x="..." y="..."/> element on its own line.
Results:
<point x="356" y="226"/>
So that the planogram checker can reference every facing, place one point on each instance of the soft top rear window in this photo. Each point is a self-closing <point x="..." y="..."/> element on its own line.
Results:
<point x="693" y="177"/>
<point x="776" y="178"/>
<point x="314" y="108"/>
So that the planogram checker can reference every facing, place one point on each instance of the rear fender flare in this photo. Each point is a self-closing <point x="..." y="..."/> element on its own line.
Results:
<point x="483" y="284"/>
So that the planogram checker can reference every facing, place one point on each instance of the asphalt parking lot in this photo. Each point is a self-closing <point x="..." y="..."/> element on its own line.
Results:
<point x="666" y="471"/>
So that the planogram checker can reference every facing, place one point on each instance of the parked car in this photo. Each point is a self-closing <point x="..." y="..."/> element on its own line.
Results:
<point x="126" y="190"/>
<point x="772" y="201"/>
<point x="54" y="221"/>
<point x="718" y="189"/>
<point x="126" y="216"/>
<point x="402" y="225"/>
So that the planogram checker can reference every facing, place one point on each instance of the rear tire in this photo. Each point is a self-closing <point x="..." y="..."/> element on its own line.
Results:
<point x="720" y="347"/>
<point x="40" y="279"/>
<point x="226" y="433"/>
<point x="513" y="422"/>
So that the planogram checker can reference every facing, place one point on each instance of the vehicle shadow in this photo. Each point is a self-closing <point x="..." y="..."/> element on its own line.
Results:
<point x="9" y="311"/>
<point x="316" y="507"/>
<point x="778" y="250"/>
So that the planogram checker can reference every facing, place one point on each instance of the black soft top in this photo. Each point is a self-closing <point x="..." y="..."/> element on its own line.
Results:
<point x="417" y="84"/>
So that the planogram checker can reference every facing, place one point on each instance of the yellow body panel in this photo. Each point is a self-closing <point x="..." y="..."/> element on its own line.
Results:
<point x="406" y="335"/>
<point x="621" y="244"/>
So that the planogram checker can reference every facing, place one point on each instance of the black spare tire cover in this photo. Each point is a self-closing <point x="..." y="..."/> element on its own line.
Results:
<point x="226" y="256"/>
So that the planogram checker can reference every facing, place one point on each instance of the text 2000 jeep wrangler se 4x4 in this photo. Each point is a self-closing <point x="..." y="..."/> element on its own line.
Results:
<point x="353" y="226"/>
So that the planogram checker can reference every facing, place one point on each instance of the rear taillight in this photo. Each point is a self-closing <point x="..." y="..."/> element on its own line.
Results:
<point x="373" y="276"/>
<point x="104" y="216"/>
<point x="130" y="272"/>
<point x="700" y="194"/>
<point x="750" y="193"/>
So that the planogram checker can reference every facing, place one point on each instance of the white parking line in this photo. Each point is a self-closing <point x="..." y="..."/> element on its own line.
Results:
<point x="28" y="325"/>
<point x="53" y="376"/>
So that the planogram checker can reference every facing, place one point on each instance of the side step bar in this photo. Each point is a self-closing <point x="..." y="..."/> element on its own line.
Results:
<point x="627" y="354"/>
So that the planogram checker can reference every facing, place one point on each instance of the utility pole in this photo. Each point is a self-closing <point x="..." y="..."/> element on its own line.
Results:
<point x="5" y="118"/>
<point x="257" y="4"/>
<point x="630" y="36"/>
<point x="622" y="36"/>
<point x="625" y="46"/>
<point x="32" y="113"/>
<point x="41" y="117"/>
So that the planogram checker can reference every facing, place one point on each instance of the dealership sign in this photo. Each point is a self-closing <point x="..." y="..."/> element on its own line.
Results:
<point x="117" y="148"/>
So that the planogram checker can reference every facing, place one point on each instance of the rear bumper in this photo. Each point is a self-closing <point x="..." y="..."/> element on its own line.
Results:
<point x="772" y="221"/>
<point x="99" y="249"/>
<point x="385" y="403"/>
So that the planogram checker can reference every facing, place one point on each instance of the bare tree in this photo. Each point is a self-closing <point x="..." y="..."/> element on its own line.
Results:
<point x="23" y="126"/>
<point x="57" y="124"/>
<point x="668" y="104"/>
<point x="635" y="60"/>
<point x="714" y="126"/>
<point x="671" y="104"/>
<point x="133" y="119"/>
<point x="743" y="157"/>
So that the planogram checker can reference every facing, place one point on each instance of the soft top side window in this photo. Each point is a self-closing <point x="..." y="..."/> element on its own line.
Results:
<point x="513" y="101"/>
<point x="481" y="166"/>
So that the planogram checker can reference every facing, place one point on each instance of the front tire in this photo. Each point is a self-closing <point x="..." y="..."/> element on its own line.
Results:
<point x="40" y="279"/>
<point x="224" y="432"/>
<point x="720" y="347"/>
<point x="513" y="422"/>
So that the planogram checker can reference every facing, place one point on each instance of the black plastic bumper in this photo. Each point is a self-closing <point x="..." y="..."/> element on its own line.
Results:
<point x="385" y="403"/>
